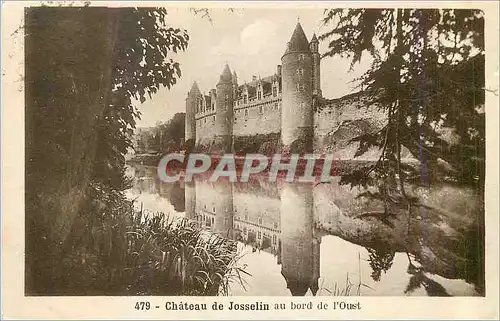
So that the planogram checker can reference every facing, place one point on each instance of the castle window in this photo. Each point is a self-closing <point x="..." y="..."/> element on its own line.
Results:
<point x="259" y="95"/>
<point x="274" y="239"/>
<point x="275" y="91"/>
<point x="246" y="112"/>
<point x="214" y="118"/>
<point x="246" y="217"/>
<point x="302" y="57"/>
<point x="300" y="71"/>
<point x="302" y="104"/>
<point x="213" y="208"/>
<point x="205" y="121"/>
<point x="276" y="106"/>
<point x="300" y="87"/>
<point x="245" y="99"/>
<point x="260" y="220"/>
<point x="259" y="235"/>
<point x="275" y="225"/>
<point x="260" y="109"/>
<point x="226" y="97"/>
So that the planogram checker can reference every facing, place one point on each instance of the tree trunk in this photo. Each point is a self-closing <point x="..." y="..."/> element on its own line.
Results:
<point x="69" y="55"/>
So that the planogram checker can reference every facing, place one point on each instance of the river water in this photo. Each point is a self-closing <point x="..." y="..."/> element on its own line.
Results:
<point x="299" y="239"/>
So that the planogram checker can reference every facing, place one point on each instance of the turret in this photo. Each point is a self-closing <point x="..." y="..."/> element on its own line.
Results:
<point x="213" y="99"/>
<point x="297" y="113"/>
<point x="224" y="112"/>
<point x="235" y="85"/>
<point x="192" y="99"/>
<point x="297" y="243"/>
<point x="224" y="212"/>
<point x="316" y="79"/>
<point x="316" y="244"/>
<point x="190" y="200"/>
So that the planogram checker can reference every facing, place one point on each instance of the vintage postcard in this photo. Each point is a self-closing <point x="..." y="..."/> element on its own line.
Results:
<point x="235" y="160"/>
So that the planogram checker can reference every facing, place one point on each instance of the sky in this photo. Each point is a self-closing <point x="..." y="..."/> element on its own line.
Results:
<point x="251" y="41"/>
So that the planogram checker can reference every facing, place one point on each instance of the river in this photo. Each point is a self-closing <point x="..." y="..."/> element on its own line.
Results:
<point x="300" y="239"/>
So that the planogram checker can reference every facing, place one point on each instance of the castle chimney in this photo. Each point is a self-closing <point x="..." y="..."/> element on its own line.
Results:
<point x="254" y="78"/>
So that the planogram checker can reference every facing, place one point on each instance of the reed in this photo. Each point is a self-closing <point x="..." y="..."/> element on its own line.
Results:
<point x="179" y="258"/>
<point x="126" y="251"/>
<point x="347" y="288"/>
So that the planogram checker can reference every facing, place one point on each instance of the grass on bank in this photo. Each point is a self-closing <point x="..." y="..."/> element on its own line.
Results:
<point x="134" y="253"/>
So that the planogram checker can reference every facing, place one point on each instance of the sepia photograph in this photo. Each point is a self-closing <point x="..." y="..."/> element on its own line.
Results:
<point x="235" y="160"/>
<point x="176" y="151"/>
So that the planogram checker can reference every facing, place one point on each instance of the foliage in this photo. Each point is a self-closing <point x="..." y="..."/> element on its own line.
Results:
<point x="419" y="279"/>
<point x="428" y="74"/>
<point x="380" y="261"/>
<point x="130" y="252"/>
<point x="164" y="137"/>
<point x="259" y="143"/>
<point x="85" y="68"/>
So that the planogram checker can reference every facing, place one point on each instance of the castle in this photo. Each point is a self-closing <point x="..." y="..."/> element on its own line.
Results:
<point x="282" y="102"/>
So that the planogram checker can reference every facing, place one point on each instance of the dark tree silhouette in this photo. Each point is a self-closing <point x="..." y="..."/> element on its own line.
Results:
<point x="380" y="260"/>
<point x="428" y="76"/>
<point x="84" y="68"/>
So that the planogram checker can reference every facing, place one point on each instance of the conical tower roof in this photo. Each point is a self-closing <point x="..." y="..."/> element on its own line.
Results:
<point x="314" y="38"/>
<point x="296" y="287"/>
<point x="298" y="42"/>
<point x="314" y="287"/>
<point x="226" y="75"/>
<point x="194" y="90"/>
<point x="235" y="78"/>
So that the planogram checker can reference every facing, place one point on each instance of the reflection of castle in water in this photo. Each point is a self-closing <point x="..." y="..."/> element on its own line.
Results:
<point x="282" y="226"/>
<point x="289" y="220"/>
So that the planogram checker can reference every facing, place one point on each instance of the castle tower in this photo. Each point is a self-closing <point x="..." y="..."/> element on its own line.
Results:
<point x="316" y="243"/>
<point x="316" y="79"/>
<point x="224" y="212"/>
<point x="297" y="113"/>
<point x="298" y="252"/>
<point x="235" y="84"/>
<point x="224" y="112"/>
<point x="190" y="200"/>
<point x="191" y="102"/>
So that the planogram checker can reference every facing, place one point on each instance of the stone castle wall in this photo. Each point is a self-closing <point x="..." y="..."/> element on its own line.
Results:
<point x="288" y="102"/>
<point x="205" y="128"/>
<point x="258" y="117"/>
<point x="340" y="120"/>
<point x="335" y="123"/>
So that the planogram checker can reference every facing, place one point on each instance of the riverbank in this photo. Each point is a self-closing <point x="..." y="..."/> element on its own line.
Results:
<point x="135" y="252"/>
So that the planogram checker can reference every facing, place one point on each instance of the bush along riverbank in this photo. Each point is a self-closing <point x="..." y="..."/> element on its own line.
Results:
<point x="129" y="252"/>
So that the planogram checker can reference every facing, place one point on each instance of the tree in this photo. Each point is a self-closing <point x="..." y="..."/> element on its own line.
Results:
<point x="428" y="76"/>
<point x="84" y="68"/>
<point x="164" y="137"/>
